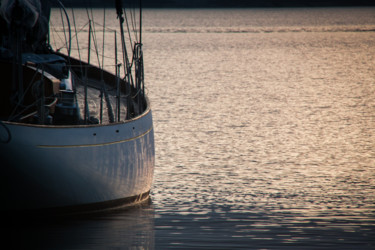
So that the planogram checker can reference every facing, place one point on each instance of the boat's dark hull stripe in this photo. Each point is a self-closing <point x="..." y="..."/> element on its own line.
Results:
<point x="85" y="208"/>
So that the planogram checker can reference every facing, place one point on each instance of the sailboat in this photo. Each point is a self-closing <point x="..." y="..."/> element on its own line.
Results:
<point x="74" y="137"/>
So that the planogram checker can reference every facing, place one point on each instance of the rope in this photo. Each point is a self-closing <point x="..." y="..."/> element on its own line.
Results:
<point x="8" y="132"/>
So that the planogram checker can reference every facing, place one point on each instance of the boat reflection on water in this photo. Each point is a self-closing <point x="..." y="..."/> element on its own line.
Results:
<point x="128" y="228"/>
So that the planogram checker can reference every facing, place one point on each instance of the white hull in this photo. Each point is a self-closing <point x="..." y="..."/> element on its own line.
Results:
<point x="66" y="166"/>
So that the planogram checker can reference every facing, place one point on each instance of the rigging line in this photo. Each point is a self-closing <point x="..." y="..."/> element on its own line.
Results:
<point x="140" y="21"/>
<point x="54" y="34"/>
<point x="127" y="67"/>
<point x="93" y="34"/>
<point x="76" y="35"/>
<point x="89" y="37"/>
<point x="136" y="94"/>
<point x="94" y="37"/>
<point x="134" y="58"/>
<point x="106" y="57"/>
<point x="108" y="29"/>
<point x="103" y="39"/>
<point x="50" y="23"/>
<point x="127" y="25"/>
<point x="135" y="25"/>
<point x="109" y="107"/>
<point x="29" y="106"/>
<point x="134" y="22"/>
<point x="76" y="32"/>
<point x="24" y="93"/>
<point x="84" y="26"/>
<point x="68" y="23"/>
<point x="131" y="44"/>
<point x="63" y="25"/>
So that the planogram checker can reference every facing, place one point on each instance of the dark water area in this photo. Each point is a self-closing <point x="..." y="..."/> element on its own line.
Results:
<point x="265" y="136"/>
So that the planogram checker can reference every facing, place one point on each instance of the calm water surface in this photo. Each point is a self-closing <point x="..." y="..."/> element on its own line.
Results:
<point x="265" y="135"/>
